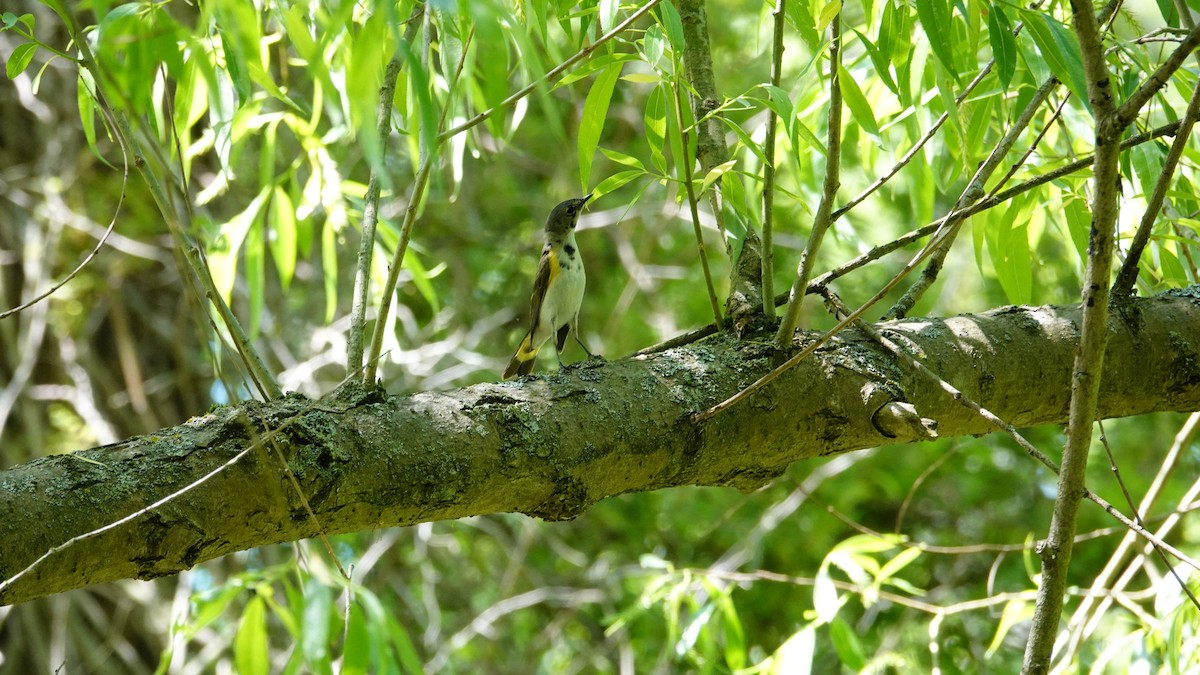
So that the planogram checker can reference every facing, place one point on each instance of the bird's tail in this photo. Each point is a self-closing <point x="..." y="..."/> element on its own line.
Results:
<point x="522" y="362"/>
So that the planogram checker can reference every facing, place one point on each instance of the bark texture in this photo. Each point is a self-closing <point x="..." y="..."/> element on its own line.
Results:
<point x="552" y="446"/>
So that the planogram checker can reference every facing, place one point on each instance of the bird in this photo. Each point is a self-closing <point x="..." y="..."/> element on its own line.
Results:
<point x="557" y="290"/>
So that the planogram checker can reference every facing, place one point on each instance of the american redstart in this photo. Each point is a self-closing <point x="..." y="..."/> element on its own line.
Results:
<point x="557" y="290"/>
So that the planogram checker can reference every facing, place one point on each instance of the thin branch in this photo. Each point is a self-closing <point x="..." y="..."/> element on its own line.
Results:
<point x="973" y="193"/>
<point x="988" y="203"/>
<point x="1137" y="517"/>
<point x="1007" y="428"/>
<point x="685" y="165"/>
<point x="555" y="72"/>
<point x="768" y="197"/>
<point x="916" y="148"/>
<point x="1128" y="274"/>
<point x="88" y="258"/>
<point x="822" y="219"/>
<point x="366" y="245"/>
<point x="199" y="275"/>
<point x="1088" y="616"/>
<point x="1085" y="378"/>
<point x="1128" y="111"/>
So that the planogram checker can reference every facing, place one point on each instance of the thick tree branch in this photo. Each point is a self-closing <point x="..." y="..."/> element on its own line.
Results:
<point x="552" y="447"/>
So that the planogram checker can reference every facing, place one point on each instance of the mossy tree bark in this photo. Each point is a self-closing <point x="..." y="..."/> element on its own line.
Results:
<point x="553" y="446"/>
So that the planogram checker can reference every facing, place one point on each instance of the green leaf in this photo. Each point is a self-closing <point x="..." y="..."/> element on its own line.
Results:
<point x="357" y="650"/>
<point x="421" y="278"/>
<point x="857" y="103"/>
<point x="936" y="20"/>
<point x="595" y="112"/>
<point x="250" y="643"/>
<point x="879" y="59"/>
<point x="1008" y="248"/>
<point x="622" y="158"/>
<point x="1057" y="45"/>
<point x="87" y="114"/>
<point x="223" y="253"/>
<point x="615" y="181"/>
<point x="314" y="635"/>
<point x="235" y="64"/>
<point x="672" y="24"/>
<point x="846" y="643"/>
<point x="828" y="11"/>
<point x="801" y="17"/>
<point x="1015" y="612"/>
<point x="653" y="46"/>
<point x="715" y="173"/>
<point x="654" y="121"/>
<point x="284" y="238"/>
<point x="608" y="14"/>
<point x="825" y="596"/>
<point x="1004" y="45"/>
<point x="20" y="58"/>
<point x="256" y="277"/>
<point x="329" y="270"/>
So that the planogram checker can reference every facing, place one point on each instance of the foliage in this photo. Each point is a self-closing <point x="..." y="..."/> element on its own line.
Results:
<point x="261" y="118"/>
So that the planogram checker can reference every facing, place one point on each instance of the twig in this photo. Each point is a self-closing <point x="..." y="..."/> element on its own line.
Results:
<point x="685" y="165"/>
<point x="1112" y="465"/>
<point x="553" y="73"/>
<point x="1085" y="378"/>
<point x="822" y="220"/>
<point x="973" y="193"/>
<point x="88" y="258"/>
<point x="200" y="275"/>
<point x="1128" y="274"/>
<point x="366" y="245"/>
<point x="1007" y="428"/>
<point x="1087" y="616"/>
<point x="912" y="152"/>
<point x="768" y="198"/>
<point x="987" y="203"/>
<point x="1124" y="115"/>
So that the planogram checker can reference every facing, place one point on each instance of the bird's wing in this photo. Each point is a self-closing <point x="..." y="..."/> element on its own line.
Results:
<point x="546" y="272"/>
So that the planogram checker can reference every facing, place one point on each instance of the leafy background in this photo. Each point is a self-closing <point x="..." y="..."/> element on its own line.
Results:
<point x="896" y="560"/>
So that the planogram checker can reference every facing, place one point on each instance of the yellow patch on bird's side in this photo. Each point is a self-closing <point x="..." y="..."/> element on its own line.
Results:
<point x="554" y="266"/>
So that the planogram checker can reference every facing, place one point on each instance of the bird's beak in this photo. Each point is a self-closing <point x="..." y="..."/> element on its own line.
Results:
<point x="585" y="200"/>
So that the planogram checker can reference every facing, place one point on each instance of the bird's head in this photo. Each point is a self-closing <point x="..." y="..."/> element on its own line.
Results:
<point x="564" y="216"/>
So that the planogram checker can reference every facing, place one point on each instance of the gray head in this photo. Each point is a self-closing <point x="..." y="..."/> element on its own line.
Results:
<point x="564" y="216"/>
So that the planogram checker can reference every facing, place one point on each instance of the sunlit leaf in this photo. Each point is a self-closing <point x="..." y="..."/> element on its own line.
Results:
<point x="655" y="127"/>
<point x="595" y="113"/>
<point x="795" y="655"/>
<point x="672" y="24"/>
<point x="1015" y="612"/>
<point x="254" y="250"/>
<point x="1004" y="45"/>
<point x="715" y="173"/>
<point x="936" y="20"/>
<point x="829" y="10"/>
<point x="250" y="643"/>
<point x="857" y="103"/>
<point x="1058" y="46"/>
<point x="284" y="237"/>
<point x="825" y="596"/>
